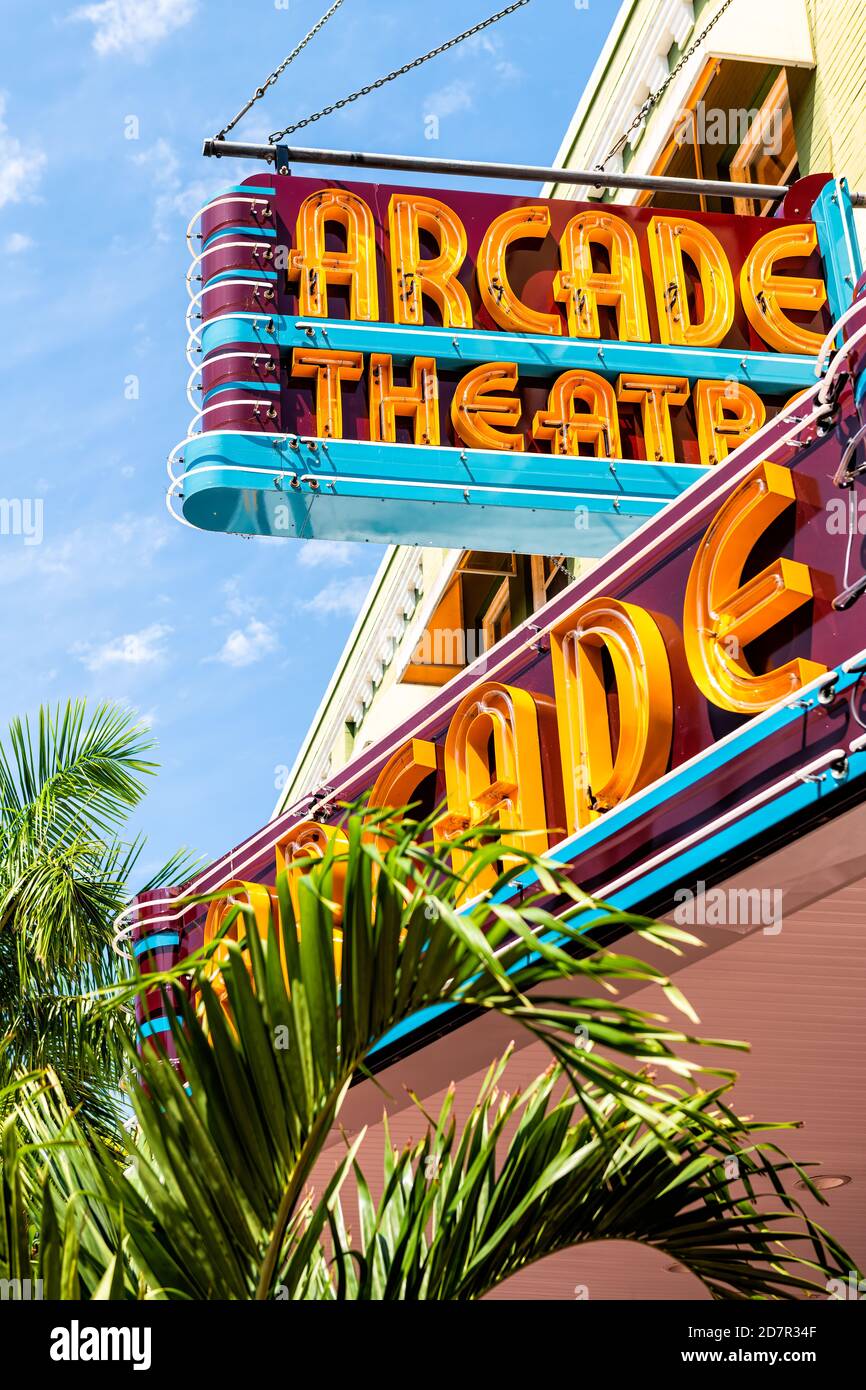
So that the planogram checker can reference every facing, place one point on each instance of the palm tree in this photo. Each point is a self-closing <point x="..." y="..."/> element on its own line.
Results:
<point x="66" y="792"/>
<point x="213" y="1198"/>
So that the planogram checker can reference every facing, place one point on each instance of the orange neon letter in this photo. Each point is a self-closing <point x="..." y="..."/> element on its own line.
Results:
<point x="582" y="288"/>
<point x="304" y="845"/>
<point x="671" y="237"/>
<point x="413" y="277"/>
<point x="403" y="774"/>
<point x="263" y="901"/>
<point x="766" y="295"/>
<point x="722" y="614"/>
<point x="476" y="414"/>
<point x="728" y="412"/>
<point x="401" y="777"/>
<point x="594" y="778"/>
<point x="315" y="268"/>
<point x="568" y="427"/>
<point x="330" y="370"/>
<point x="655" y="395"/>
<point x="509" y="788"/>
<point x="499" y="298"/>
<point x="418" y="402"/>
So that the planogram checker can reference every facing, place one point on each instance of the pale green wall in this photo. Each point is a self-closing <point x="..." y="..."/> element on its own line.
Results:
<point x="830" y="108"/>
<point x="830" y="119"/>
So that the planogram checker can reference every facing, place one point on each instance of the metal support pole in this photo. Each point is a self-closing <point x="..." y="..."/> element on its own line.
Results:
<point x="535" y="173"/>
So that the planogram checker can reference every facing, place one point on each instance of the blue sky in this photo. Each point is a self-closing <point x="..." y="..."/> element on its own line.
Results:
<point x="224" y="645"/>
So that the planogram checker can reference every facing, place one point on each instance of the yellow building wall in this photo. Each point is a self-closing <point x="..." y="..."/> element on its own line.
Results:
<point x="830" y="119"/>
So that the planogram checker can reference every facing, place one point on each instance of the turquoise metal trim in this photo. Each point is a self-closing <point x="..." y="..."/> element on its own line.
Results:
<point x="860" y="385"/>
<point x="238" y="275"/>
<point x="833" y="216"/>
<point x="683" y="778"/>
<point x="272" y="386"/>
<point x="241" y="188"/>
<point x="261" y="484"/>
<point x="154" y="1025"/>
<point x="691" y="864"/>
<point x="155" y="941"/>
<point x="534" y="354"/>
<point x="327" y="461"/>
<point x="254" y="232"/>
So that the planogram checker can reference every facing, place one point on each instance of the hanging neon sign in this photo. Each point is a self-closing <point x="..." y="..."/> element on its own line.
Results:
<point x="364" y="343"/>
<point x="693" y="702"/>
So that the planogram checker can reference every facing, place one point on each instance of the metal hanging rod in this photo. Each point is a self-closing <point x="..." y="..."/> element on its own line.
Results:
<point x="536" y="173"/>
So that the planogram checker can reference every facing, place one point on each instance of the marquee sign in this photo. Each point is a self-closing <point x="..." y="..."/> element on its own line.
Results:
<point x="693" y="702"/>
<point x="444" y="367"/>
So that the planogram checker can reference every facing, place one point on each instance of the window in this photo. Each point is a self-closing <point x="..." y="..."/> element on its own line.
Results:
<point x="488" y="595"/>
<point x="549" y="577"/>
<point x="736" y="124"/>
<point x="496" y="621"/>
<point x="768" y="154"/>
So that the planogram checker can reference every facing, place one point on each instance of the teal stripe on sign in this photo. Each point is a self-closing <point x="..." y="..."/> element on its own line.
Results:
<point x="271" y="386"/>
<point x="243" y="188"/>
<point x="239" y="275"/>
<point x="239" y="231"/>
<point x="154" y="1025"/>
<point x="155" y="941"/>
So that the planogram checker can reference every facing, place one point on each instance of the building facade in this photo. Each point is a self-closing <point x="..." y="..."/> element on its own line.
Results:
<point x="773" y="92"/>
<point x="717" y="783"/>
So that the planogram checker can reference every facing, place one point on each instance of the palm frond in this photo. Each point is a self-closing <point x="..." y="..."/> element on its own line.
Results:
<point x="67" y="787"/>
<point x="74" y="766"/>
<point x="461" y="1212"/>
<point x="212" y="1199"/>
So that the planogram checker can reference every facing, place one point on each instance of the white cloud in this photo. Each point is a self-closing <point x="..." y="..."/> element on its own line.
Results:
<point x="176" y="199"/>
<point x="490" y="46"/>
<point x="161" y="162"/>
<point x="237" y="605"/>
<point x="478" y="43"/>
<point x="340" y="596"/>
<point x="315" y="554"/>
<point x="16" y="242"/>
<point x="142" y="534"/>
<point x="448" y="100"/>
<point x="131" y="649"/>
<point x="244" y="646"/>
<point x="508" y="71"/>
<point x="20" y="166"/>
<point x="87" y="558"/>
<point x="122" y="26"/>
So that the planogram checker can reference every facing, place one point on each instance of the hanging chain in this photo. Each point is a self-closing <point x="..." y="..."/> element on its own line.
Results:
<point x="398" y="72"/>
<point x="657" y="95"/>
<point x="278" y="72"/>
